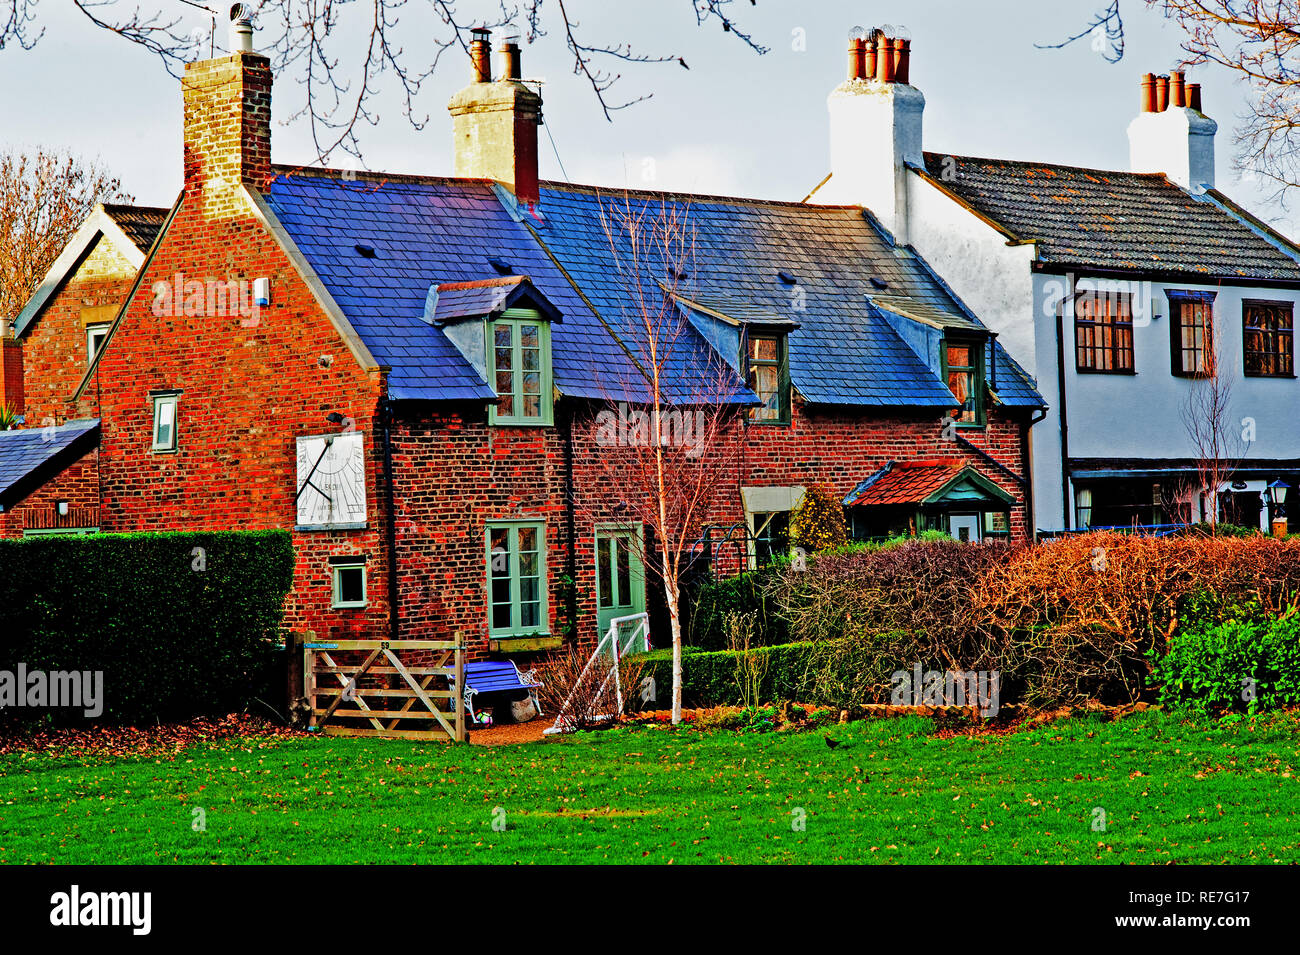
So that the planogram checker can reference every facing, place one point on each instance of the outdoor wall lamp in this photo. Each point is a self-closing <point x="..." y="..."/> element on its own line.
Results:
<point x="1277" y="496"/>
<point x="62" y="508"/>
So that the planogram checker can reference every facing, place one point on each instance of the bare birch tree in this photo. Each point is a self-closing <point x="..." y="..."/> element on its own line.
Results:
<point x="670" y="458"/>
<point x="1216" y="437"/>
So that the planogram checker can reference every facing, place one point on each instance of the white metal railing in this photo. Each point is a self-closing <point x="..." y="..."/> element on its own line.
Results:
<point x="636" y="641"/>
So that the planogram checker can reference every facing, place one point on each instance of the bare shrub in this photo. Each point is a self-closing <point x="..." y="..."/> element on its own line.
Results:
<point x="587" y="700"/>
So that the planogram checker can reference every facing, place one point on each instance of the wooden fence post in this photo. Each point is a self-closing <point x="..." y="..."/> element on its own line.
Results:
<point x="458" y="694"/>
<point x="309" y="675"/>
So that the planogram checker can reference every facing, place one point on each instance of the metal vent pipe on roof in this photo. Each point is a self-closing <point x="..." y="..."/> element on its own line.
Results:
<point x="510" y="66"/>
<point x="479" y="56"/>
<point x="241" y="29"/>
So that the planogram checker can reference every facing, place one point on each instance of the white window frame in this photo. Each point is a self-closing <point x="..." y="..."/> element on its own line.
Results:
<point x="336" y="601"/>
<point x="159" y="402"/>
<point x="98" y="329"/>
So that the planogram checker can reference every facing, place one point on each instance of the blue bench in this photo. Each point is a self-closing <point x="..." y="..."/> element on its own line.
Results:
<point x="496" y="677"/>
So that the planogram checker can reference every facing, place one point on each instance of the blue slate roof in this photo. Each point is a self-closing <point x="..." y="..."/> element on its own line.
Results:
<point x="423" y="232"/>
<point x="30" y="456"/>
<point x="379" y="243"/>
<point x="739" y="257"/>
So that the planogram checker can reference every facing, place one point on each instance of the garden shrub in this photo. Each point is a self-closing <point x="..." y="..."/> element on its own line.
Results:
<point x="1081" y="617"/>
<point x="1077" y="618"/>
<point x="180" y="624"/>
<point x="817" y="524"/>
<point x="1246" y="663"/>
<point x="747" y="593"/>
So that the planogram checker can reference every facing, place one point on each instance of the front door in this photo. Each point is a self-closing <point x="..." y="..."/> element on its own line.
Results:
<point x="964" y="527"/>
<point x="620" y="577"/>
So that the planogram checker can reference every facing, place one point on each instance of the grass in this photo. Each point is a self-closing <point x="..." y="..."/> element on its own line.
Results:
<point x="1171" y="790"/>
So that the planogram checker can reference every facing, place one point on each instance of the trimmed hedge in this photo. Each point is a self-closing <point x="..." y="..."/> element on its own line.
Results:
<point x="181" y="624"/>
<point x="709" y="677"/>
<point x="746" y="593"/>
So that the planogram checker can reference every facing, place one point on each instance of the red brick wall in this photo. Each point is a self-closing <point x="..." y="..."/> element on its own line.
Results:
<point x="11" y="374"/>
<point x="78" y="484"/>
<point x="248" y="390"/>
<point x="54" y="348"/>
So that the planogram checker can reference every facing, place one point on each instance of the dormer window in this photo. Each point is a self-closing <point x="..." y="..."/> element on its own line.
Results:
<point x="519" y="357"/>
<point x="964" y="372"/>
<point x="768" y="376"/>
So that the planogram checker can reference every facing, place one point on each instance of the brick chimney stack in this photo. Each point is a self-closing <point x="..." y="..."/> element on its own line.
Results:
<point x="11" y="368"/>
<point x="1171" y="134"/>
<point x="494" y="123"/>
<point x="228" y="117"/>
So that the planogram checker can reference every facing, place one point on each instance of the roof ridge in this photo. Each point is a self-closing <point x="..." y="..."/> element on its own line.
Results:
<point x="700" y="196"/>
<point x="1053" y="165"/>
<point x="284" y="171"/>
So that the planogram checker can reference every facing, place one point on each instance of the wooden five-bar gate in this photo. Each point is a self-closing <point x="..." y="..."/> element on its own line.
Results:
<point x="362" y="698"/>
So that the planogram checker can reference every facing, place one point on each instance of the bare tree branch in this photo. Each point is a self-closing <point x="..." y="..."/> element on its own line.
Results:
<point x="345" y="53"/>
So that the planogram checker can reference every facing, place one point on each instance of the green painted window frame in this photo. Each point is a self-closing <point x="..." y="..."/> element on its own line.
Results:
<point x="336" y="601"/>
<point x="515" y="319"/>
<point x="516" y="627"/>
<point x="978" y="380"/>
<point x="161" y="400"/>
<point x="782" y="364"/>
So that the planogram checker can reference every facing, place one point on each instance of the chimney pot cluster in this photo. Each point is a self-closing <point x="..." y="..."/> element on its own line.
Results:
<point x="880" y="57"/>
<point x="1159" y="93"/>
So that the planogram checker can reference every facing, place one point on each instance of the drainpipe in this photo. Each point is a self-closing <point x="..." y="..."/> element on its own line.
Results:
<point x="1062" y="407"/>
<point x="570" y="520"/>
<point x="1027" y="456"/>
<point x="386" y="421"/>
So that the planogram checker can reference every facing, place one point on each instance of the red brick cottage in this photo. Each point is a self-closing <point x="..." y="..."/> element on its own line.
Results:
<point x="49" y="479"/>
<point x="406" y="371"/>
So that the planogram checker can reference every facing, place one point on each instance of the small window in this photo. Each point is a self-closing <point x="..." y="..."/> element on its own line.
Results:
<point x="164" y="422"/>
<point x="1191" y="335"/>
<point x="768" y="377"/>
<point x="963" y="364"/>
<point x="95" y="335"/>
<point x="519" y="351"/>
<point x="516" y="573"/>
<point x="771" y="536"/>
<point x="1267" y="330"/>
<point x="349" y="583"/>
<point x="1103" y="333"/>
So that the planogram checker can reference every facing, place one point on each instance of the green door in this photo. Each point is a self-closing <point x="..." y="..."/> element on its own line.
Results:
<point x="620" y="577"/>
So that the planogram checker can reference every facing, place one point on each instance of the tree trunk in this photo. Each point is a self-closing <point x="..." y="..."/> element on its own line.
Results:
<point x="675" y="621"/>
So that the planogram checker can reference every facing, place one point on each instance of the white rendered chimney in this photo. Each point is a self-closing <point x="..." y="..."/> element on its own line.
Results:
<point x="1171" y="135"/>
<point x="875" y="127"/>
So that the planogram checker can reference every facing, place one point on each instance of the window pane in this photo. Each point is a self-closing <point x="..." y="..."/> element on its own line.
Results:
<point x="763" y="349"/>
<point x="604" y="573"/>
<point x="530" y="337"/>
<point x="351" y="584"/>
<point x="624" y="563"/>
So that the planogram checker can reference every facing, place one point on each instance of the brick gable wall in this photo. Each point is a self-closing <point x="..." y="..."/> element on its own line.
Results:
<point x="249" y="386"/>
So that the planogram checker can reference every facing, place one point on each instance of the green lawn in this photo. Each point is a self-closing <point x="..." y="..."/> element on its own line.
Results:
<point x="1171" y="790"/>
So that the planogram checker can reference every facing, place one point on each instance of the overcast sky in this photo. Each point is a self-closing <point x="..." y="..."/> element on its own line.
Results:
<point x="735" y="123"/>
